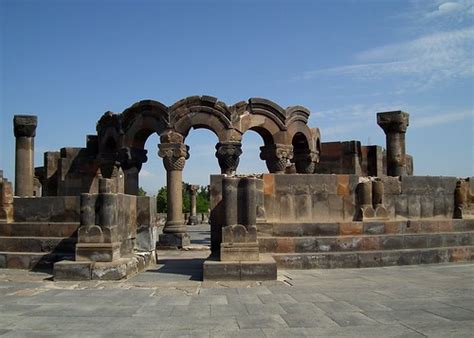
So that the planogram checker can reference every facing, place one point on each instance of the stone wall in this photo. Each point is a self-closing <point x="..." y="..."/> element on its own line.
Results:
<point x="46" y="209"/>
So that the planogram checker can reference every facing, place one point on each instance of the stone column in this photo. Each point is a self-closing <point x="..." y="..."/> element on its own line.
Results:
<point x="364" y="208"/>
<point x="228" y="154"/>
<point x="193" y="219"/>
<point x="276" y="157"/>
<point x="174" y="157"/>
<point x="395" y="124"/>
<point x="131" y="160"/>
<point x="24" y="127"/>
<point x="305" y="161"/>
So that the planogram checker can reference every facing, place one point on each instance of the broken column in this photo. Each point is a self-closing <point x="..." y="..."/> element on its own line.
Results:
<point x="364" y="201"/>
<point x="228" y="154"/>
<point x="131" y="160"/>
<point x="239" y="233"/>
<point x="193" y="219"/>
<point x="395" y="124"/>
<point x="276" y="156"/>
<point x="174" y="156"/>
<point x="6" y="200"/>
<point x="24" y="127"/>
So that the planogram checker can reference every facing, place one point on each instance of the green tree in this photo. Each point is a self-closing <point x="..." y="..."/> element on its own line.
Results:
<point x="162" y="200"/>
<point x="202" y="199"/>
<point x="141" y="192"/>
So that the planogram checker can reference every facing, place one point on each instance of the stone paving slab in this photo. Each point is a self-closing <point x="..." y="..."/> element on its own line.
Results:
<point x="411" y="301"/>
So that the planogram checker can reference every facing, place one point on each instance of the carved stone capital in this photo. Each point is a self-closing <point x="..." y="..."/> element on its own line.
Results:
<point x="276" y="156"/>
<point x="228" y="154"/>
<point x="25" y="125"/>
<point x="305" y="161"/>
<point x="193" y="189"/>
<point x="393" y="121"/>
<point x="132" y="157"/>
<point x="174" y="155"/>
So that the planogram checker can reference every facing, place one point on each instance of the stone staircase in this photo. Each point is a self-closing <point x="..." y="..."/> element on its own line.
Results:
<point x="36" y="245"/>
<point x="367" y="244"/>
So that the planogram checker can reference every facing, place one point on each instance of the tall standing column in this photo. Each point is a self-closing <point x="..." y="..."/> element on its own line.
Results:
<point x="24" y="127"/>
<point x="174" y="157"/>
<point x="395" y="124"/>
<point x="193" y="219"/>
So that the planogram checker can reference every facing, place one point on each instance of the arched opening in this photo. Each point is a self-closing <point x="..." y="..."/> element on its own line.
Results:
<point x="152" y="175"/>
<point x="250" y="161"/>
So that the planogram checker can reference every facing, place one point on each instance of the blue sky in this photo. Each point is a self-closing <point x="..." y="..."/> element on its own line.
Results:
<point x="70" y="61"/>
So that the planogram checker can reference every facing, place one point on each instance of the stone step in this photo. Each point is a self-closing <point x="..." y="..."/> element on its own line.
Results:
<point x="32" y="260"/>
<point x="367" y="228"/>
<point x="37" y="244"/>
<point x="364" y="242"/>
<point x="366" y="259"/>
<point x="39" y="229"/>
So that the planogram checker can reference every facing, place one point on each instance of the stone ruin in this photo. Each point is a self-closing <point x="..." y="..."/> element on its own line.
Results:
<point x="322" y="205"/>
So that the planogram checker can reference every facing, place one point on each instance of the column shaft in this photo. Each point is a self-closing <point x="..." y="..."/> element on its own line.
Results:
<point x="24" y="172"/>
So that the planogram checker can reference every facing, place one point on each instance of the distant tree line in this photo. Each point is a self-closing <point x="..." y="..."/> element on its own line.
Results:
<point x="202" y="199"/>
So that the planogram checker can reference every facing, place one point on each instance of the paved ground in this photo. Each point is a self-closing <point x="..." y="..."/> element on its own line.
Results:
<point x="171" y="301"/>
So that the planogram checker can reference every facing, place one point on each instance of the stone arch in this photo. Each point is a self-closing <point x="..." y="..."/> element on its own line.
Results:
<point x="195" y="112"/>
<point x="141" y="120"/>
<point x="262" y="116"/>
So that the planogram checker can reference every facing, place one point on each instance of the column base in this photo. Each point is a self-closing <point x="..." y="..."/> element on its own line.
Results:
<point x="193" y="220"/>
<point x="173" y="241"/>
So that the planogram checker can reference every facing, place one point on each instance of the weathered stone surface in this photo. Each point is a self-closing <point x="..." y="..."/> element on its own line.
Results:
<point x="70" y="270"/>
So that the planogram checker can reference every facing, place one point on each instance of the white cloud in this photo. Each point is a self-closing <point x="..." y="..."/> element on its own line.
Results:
<point x="429" y="121"/>
<point x="421" y="63"/>
<point x="446" y="8"/>
<point x="146" y="174"/>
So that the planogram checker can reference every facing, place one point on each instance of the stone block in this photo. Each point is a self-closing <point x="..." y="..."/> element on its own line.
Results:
<point x="460" y="254"/>
<point x="147" y="236"/>
<point x="427" y="206"/>
<point x="320" y="207"/>
<point x="235" y="252"/>
<point x="343" y="260"/>
<point x="265" y="269"/>
<point x="287" y="207"/>
<point x="429" y="257"/>
<point x="285" y="244"/>
<point x="173" y="241"/>
<point x="348" y="243"/>
<point x="415" y="242"/>
<point x="390" y="258"/>
<point x="434" y="241"/>
<point x="336" y="207"/>
<point x="305" y="244"/>
<point x="303" y="206"/>
<point x="391" y="242"/>
<point x="97" y="252"/>
<point x="47" y="209"/>
<point x="71" y="270"/>
<point x="292" y="261"/>
<point x="439" y="205"/>
<point x="316" y="261"/>
<point x="374" y="228"/>
<point x="3" y="261"/>
<point x="414" y="206"/>
<point x="317" y="183"/>
<point x="401" y="205"/>
<point x="370" y="259"/>
<point x="117" y="270"/>
<point x="351" y="228"/>
<point x="428" y="185"/>
<point x="410" y="257"/>
<point x="394" y="227"/>
<point x="392" y="185"/>
<point x="370" y="243"/>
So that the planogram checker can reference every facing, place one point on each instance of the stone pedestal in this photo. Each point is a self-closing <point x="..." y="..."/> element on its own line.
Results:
<point x="24" y="127"/>
<point x="276" y="156"/>
<point x="395" y="124"/>
<point x="174" y="158"/>
<point x="364" y="208"/>
<point x="239" y="234"/>
<point x="228" y="154"/>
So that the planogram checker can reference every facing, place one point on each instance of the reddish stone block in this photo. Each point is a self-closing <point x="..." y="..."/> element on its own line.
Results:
<point x="269" y="184"/>
<point x="351" y="228"/>
<point x="285" y="245"/>
<point x="343" y="185"/>
<point x="370" y="243"/>
<point x="445" y="226"/>
<point x="460" y="254"/>
<point x="394" y="227"/>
